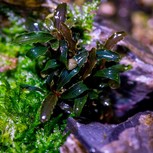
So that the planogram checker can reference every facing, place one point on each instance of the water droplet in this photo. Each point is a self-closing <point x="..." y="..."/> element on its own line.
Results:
<point x="79" y="90"/>
<point x="43" y="118"/>
<point x="106" y="103"/>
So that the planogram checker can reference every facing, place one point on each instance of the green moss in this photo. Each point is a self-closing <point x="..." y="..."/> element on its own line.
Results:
<point x="83" y="18"/>
<point x="20" y="127"/>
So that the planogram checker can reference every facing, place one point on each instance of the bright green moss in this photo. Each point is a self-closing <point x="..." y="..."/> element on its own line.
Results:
<point x="20" y="127"/>
<point x="19" y="113"/>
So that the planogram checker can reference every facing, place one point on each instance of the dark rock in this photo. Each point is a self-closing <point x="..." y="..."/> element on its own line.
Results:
<point x="132" y="136"/>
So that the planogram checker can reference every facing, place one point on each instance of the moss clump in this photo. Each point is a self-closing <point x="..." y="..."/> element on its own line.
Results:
<point x="20" y="101"/>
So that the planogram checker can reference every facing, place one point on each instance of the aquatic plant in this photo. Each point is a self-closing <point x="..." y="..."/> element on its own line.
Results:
<point x="72" y="74"/>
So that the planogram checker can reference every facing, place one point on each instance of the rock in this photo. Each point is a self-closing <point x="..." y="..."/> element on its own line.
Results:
<point x="72" y="145"/>
<point x="132" y="136"/>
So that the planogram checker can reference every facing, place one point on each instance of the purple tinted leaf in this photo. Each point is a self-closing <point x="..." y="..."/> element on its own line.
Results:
<point x="114" y="39"/>
<point x="47" y="107"/>
<point x="92" y="59"/>
<point x="60" y="15"/>
<point x="67" y="34"/>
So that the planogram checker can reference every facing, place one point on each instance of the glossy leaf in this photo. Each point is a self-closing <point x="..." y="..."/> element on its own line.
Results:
<point x="79" y="104"/>
<point x="60" y="15"/>
<point x="55" y="45"/>
<point x="47" y="107"/>
<point x="37" y="51"/>
<point x="121" y="67"/>
<point x="67" y="34"/>
<point x="32" y="25"/>
<point x="30" y="88"/>
<point x="63" y="53"/>
<point x="93" y="95"/>
<point x="81" y="58"/>
<point x="49" y="80"/>
<point x="112" y="72"/>
<point x="75" y="90"/>
<point x="114" y="39"/>
<point x="109" y="73"/>
<point x="92" y="59"/>
<point x="107" y="55"/>
<point x="66" y="76"/>
<point x="67" y="108"/>
<point x="51" y="64"/>
<point x="33" y="37"/>
<point x="49" y="24"/>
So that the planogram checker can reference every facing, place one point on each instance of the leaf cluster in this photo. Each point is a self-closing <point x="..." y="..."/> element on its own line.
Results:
<point x="72" y="74"/>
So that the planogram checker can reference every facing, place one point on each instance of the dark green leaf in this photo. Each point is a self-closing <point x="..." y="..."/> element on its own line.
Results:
<point x="30" y="88"/>
<point x="92" y="59"/>
<point x="107" y="55"/>
<point x="64" y="52"/>
<point x="32" y="25"/>
<point x="112" y="72"/>
<point x="67" y="34"/>
<point x="81" y="58"/>
<point x="75" y="90"/>
<point x="66" y="76"/>
<point x="47" y="107"/>
<point x="49" y="24"/>
<point x="109" y="73"/>
<point x="121" y="68"/>
<point x="49" y="79"/>
<point x="113" y="84"/>
<point x="36" y="51"/>
<point x="79" y="104"/>
<point x="33" y="37"/>
<point x="60" y="15"/>
<point x="114" y="39"/>
<point x="51" y="64"/>
<point x="54" y="45"/>
<point x="93" y="94"/>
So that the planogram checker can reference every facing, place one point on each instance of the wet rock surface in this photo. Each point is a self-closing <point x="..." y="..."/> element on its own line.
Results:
<point x="132" y="136"/>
